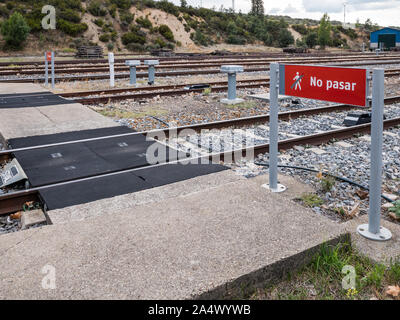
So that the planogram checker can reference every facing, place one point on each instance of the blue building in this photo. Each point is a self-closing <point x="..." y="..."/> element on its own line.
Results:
<point x="387" y="38"/>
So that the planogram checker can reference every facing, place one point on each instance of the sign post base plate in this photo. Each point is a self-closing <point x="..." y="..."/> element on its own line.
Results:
<point x="383" y="234"/>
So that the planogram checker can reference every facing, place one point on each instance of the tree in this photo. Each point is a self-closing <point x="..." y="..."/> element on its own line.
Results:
<point x="324" y="31"/>
<point x="257" y="7"/>
<point x="311" y="39"/>
<point x="285" y="38"/>
<point x="15" y="30"/>
<point x="184" y="3"/>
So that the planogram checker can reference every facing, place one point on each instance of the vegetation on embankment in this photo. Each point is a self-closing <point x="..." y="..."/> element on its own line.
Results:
<point x="143" y="25"/>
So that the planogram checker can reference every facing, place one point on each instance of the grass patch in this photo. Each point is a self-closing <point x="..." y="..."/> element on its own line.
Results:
<point x="323" y="277"/>
<point x="243" y="105"/>
<point x="311" y="200"/>
<point x="126" y="114"/>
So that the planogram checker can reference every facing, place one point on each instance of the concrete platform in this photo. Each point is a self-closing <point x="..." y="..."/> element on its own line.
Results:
<point x="377" y="251"/>
<point x="212" y="241"/>
<point x="23" y="122"/>
<point x="265" y="97"/>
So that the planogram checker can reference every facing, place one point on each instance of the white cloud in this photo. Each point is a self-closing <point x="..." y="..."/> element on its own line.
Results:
<point x="290" y="9"/>
<point x="331" y="6"/>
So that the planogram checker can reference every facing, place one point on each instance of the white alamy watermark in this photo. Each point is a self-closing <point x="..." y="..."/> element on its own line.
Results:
<point x="49" y="21"/>
<point x="49" y="280"/>
<point x="228" y="146"/>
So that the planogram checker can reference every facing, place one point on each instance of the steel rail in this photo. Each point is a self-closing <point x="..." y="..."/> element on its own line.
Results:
<point x="287" y="115"/>
<point x="204" y="57"/>
<point x="174" y="73"/>
<point x="185" y="65"/>
<point x="13" y="201"/>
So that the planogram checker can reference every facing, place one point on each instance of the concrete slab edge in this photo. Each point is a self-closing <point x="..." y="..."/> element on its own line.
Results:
<point x="269" y="275"/>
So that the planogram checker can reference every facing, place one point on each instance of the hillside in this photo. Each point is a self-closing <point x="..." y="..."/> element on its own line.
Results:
<point x="144" y="25"/>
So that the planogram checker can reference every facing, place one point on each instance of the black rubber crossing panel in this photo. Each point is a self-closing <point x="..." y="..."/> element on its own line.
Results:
<point x="12" y="95"/>
<point x="162" y="175"/>
<point x="92" y="190"/>
<point x="67" y="136"/>
<point x="85" y="159"/>
<point x="68" y="162"/>
<point x="124" y="183"/>
<point x="31" y="100"/>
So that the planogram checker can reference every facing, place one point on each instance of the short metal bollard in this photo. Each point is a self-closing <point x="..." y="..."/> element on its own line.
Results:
<point x="132" y="64"/>
<point x="111" y="64"/>
<point x="231" y="70"/>
<point x="152" y="70"/>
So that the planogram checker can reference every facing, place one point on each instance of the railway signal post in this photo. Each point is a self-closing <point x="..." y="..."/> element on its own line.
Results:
<point x="231" y="70"/>
<point x="111" y="63"/>
<point x="348" y="86"/>
<point x="132" y="64"/>
<point x="52" y="70"/>
<point x="152" y="70"/>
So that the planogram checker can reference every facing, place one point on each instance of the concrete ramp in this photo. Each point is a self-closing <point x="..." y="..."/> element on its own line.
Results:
<point x="212" y="242"/>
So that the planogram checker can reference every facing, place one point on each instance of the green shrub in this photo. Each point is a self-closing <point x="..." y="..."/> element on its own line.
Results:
<point x="110" y="46"/>
<point x="99" y="22"/>
<point x="131" y="37"/>
<point x="112" y="10"/>
<point x="161" y="42"/>
<point x="136" y="47"/>
<point x="69" y="15"/>
<point x="122" y="4"/>
<point x="104" y="37"/>
<point x="144" y="22"/>
<point x="126" y="18"/>
<point x="72" y="29"/>
<point x="311" y="39"/>
<point x="15" y="30"/>
<point x="200" y="38"/>
<point x="300" y="28"/>
<point x="234" y="39"/>
<point x="96" y="9"/>
<point x="114" y="36"/>
<point x="285" y="38"/>
<point x="166" y="32"/>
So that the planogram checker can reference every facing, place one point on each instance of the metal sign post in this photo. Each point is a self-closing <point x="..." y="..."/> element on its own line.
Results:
<point x="52" y="70"/>
<point x="46" y="70"/>
<point x="273" y="185"/>
<point x="111" y="63"/>
<point x="340" y="85"/>
<point x="373" y="229"/>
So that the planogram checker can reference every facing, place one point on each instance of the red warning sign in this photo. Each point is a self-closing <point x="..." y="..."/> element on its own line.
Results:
<point x="48" y="56"/>
<point x="341" y="85"/>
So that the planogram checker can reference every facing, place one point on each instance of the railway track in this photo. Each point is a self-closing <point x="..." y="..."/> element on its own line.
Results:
<point x="200" y="58"/>
<point x="105" y="96"/>
<point x="175" y="73"/>
<point x="177" y="65"/>
<point x="185" y="66"/>
<point x="11" y="202"/>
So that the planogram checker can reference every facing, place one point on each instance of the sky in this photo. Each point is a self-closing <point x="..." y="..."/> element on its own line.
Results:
<point x="383" y="12"/>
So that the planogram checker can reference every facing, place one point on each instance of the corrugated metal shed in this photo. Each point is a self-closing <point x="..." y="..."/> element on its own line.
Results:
<point x="389" y="37"/>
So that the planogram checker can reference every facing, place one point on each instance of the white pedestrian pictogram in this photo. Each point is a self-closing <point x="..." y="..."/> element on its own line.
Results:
<point x="297" y="81"/>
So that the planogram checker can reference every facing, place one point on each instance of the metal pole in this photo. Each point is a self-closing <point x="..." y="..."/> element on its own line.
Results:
<point x="273" y="130"/>
<point x="52" y="70"/>
<point x="151" y="74"/>
<point x="132" y="78"/>
<point x="374" y="230"/>
<point x="46" y="70"/>
<point x="231" y="86"/>
<point x="111" y="64"/>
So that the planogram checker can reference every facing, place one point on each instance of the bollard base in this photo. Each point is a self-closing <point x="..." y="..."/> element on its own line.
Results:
<point x="280" y="188"/>
<point x="383" y="235"/>
<point x="233" y="101"/>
